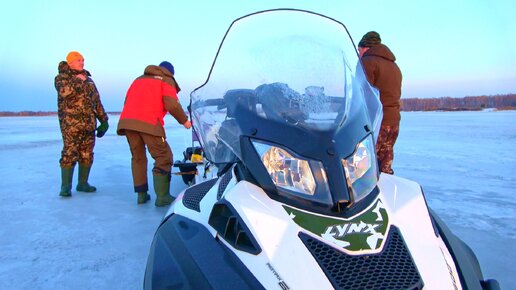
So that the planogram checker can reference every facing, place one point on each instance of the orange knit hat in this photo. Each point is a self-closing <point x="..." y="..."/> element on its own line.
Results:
<point x="72" y="56"/>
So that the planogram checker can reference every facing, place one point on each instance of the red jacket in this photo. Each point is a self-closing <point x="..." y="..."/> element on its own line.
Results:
<point x="148" y="99"/>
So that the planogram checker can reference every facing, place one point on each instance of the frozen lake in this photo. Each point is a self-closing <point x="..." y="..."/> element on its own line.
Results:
<point x="465" y="162"/>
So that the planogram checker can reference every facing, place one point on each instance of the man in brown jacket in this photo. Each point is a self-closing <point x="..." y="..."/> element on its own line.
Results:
<point x="383" y="73"/>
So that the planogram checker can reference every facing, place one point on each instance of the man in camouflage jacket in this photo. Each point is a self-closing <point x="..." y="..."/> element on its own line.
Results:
<point x="79" y="107"/>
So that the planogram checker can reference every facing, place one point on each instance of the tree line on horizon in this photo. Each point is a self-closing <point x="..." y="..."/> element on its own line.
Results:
<point x="469" y="103"/>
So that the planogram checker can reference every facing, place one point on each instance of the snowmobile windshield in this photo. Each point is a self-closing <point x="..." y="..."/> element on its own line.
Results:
<point x="294" y="67"/>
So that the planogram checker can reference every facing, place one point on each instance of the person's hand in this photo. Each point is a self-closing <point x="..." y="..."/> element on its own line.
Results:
<point x="102" y="129"/>
<point x="81" y="76"/>
<point x="187" y="124"/>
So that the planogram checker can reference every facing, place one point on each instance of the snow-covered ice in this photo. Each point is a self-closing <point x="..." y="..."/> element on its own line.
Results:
<point x="465" y="162"/>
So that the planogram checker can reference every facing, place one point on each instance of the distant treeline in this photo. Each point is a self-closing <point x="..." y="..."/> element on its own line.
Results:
<point x="26" y="113"/>
<point x="500" y="102"/>
<point x="37" y="113"/>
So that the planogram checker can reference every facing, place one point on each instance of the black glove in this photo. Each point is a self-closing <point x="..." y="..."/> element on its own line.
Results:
<point x="102" y="129"/>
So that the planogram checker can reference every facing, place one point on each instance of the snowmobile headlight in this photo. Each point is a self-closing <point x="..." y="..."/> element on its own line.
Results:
<point x="361" y="169"/>
<point x="288" y="171"/>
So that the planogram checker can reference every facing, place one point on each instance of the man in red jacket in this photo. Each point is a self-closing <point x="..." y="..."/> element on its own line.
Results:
<point x="148" y="100"/>
<point x="384" y="74"/>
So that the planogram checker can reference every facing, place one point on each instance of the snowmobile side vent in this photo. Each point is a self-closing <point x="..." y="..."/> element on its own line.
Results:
<point x="226" y="178"/>
<point x="229" y="225"/>
<point x="393" y="268"/>
<point x="196" y="193"/>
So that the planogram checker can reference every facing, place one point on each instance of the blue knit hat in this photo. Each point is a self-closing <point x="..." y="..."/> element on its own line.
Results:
<point x="168" y="66"/>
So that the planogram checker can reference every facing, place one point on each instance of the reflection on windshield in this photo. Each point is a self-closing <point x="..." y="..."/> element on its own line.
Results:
<point x="311" y="109"/>
<point x="277" y="101"/>
<point x="281" y="103"/>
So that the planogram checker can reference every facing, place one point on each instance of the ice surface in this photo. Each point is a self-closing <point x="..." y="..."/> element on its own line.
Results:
<point x="465" y="162"/>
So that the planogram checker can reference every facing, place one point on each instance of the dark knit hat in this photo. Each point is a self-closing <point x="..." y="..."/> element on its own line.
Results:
<point x="168" y="66"/>
<point x="369" y="39"/>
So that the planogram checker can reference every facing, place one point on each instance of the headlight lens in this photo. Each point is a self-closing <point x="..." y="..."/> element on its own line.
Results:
<point x="289" y="172"/>
<point x="361" y="169"/>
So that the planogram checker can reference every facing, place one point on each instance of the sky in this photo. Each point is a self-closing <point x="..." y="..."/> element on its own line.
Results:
<point x="451" y="48"/>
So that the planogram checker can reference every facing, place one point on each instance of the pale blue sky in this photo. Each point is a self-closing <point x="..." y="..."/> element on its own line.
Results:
<point x="444" y="47"/>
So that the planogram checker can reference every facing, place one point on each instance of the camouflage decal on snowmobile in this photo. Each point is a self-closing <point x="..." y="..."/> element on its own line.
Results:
<point x="365" y="231"/>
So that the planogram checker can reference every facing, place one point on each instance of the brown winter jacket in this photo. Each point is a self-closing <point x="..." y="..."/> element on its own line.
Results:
<point x="383" y="73"/>
<point x="148" y="100"/>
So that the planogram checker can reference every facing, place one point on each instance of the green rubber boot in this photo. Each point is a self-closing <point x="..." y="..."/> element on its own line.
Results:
<point x="143" y="197"/>
<point x="84" y="173"/>
<point x="162" y="187"/>
<point x="66" y="181"/>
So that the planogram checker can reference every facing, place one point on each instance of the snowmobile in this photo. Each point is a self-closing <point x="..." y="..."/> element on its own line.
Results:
<point x="290" y="122"/>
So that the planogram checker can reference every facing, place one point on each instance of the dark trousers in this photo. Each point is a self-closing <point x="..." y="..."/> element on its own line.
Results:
<point x="158" y="149"/>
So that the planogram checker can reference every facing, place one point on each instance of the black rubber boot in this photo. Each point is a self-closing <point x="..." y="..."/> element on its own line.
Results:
<point x="83" y="185"/>
<point x="66" y="181"/>
<point x="162" y="188"/>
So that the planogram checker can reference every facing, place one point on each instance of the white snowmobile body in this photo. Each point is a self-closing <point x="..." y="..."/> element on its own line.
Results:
<point x="291" y="122"/>
<point x="294" y="255"/>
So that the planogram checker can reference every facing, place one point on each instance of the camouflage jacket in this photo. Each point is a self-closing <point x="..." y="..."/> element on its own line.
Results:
<point x="78" y="101"/>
